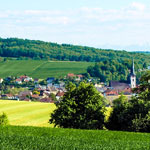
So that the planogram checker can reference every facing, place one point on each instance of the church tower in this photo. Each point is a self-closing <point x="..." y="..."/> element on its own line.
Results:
<point x="132" y="76"/>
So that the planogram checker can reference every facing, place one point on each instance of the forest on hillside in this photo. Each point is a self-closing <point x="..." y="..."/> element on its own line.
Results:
<point x="34" y="49"/>
<point x="110" y="64"/>
<point x="113" y="70"/>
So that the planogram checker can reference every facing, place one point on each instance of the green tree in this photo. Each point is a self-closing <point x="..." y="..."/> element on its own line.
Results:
<point x="144" y="83"/>
<point x="82" y="107"/>
<point x="4" y="119"/>
<point x="36" y="92"/>
<point x="145" y="65"/>
<point x="53" y="96"/>
<point x="116" y="120"/>
<point x="43" y="82"/>
<point x="132" y="115"/>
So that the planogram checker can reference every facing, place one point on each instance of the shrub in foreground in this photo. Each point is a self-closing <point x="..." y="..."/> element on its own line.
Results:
<point x="4" y="119"/>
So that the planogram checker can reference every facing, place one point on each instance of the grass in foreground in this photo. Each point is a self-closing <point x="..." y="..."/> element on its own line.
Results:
<point x="27" y="113"/>
<point x="35" y="138"/>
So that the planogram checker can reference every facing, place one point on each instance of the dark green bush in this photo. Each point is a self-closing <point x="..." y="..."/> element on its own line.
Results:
<point x="4" y="119"/>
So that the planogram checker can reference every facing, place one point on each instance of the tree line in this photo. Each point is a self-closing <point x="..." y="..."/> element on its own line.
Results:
<point x="24" y="48"/>
<point x="109" y="69"/>
<point x="82" y="107"/>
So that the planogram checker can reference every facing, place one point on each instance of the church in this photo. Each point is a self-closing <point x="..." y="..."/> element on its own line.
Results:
<point x="132" y="77"/>
<point x="116" y="87"/>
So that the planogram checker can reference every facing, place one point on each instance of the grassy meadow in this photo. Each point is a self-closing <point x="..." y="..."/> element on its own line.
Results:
<point x="41" y="69"/>
<point x="37" y="138"/>
<point x="30" y="130"/>
<point x="27" y="113"/>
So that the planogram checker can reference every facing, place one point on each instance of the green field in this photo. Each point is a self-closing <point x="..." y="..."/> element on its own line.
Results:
<point x="26" y="137"/>
<point x="35" y="138"/>
<point x="41" y="69"/>
<point x="27" y="113"/>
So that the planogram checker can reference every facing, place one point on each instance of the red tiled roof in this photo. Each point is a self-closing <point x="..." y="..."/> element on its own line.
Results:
<point x="111" y="92"/>
<point x="71" y="75"/>
<point x="80" y="76"/>
<point x="23" y="77"/>
<point x="9" y="95"/>
<point x="18" y="79"/>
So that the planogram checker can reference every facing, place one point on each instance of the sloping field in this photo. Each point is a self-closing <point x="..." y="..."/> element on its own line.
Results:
<point x="33" y="138"/>
<point x="27" y="113"/>
<point x="41" y="69"/>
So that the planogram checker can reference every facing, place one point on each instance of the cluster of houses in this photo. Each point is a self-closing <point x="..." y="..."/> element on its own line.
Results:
<point x="77" y="77"/>
<point x="43" y="93"/>
<point x="23" y="78"/>
<point x="115" y="88"/>
<point x="42" y="96"/>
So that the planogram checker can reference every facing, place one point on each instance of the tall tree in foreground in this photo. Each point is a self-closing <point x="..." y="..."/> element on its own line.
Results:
<point x="82" y="107"/>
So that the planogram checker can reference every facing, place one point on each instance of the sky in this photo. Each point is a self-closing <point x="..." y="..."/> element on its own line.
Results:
<point x="114" y="24"/>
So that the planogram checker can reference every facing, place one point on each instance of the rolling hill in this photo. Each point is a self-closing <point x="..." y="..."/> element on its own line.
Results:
<point x="20" y="48"/>
<point x="40" y="59"/>
<point x="41" y="69"/>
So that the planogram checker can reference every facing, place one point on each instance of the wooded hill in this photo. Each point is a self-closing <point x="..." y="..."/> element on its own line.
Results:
<point x="20" y="48"/>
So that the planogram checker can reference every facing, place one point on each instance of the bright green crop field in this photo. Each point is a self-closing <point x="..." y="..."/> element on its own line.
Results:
<point x="26" y="137"/>
<point x="37" y="138"/>
<point x="41" y="69"/>
<point x="27" y="113"/>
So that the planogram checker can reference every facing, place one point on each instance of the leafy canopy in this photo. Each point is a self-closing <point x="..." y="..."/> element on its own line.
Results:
<point x="82" y="107"/>
<point x="133" y="115"/>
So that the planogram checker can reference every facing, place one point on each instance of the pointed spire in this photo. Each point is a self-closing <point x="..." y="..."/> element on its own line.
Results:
<point x="132" y="69"/>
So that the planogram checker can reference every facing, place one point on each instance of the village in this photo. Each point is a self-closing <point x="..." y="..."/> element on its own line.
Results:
<point x="25" y="88"/>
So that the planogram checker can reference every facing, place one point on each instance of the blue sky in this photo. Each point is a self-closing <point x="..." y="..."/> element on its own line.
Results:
<point x="116" y="24"/>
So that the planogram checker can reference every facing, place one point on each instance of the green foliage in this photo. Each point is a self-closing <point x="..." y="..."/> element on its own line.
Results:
<point x="116" y="120"/>
<point x="141" y="124"/>
<point x="82" y="107"/>
<point x="112" y="70"/>
<point x="4" y="119"/>
<point x="116" y="69"/>
<point x="15" y="90"/>
<point x="120" y="101"/>
<point x="36" y="92"/>
<point x="144" y="83"/>
<point x="33" y="138"/>
<point x="25" y="49"/>
<point x="53" y="97"/>
<point x="133" y="115"/>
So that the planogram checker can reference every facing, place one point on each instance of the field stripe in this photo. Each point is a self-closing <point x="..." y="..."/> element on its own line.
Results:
<point x="27" y="113"/>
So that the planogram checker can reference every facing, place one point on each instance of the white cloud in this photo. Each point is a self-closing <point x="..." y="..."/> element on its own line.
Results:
<point x="55" y="20"/>
<point x="138" y="6"/>
<point x="87" y="26"/>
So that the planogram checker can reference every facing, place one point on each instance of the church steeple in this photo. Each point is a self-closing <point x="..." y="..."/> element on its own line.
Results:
<point x="132" y="76"/>
<point x="132" y="69"/>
